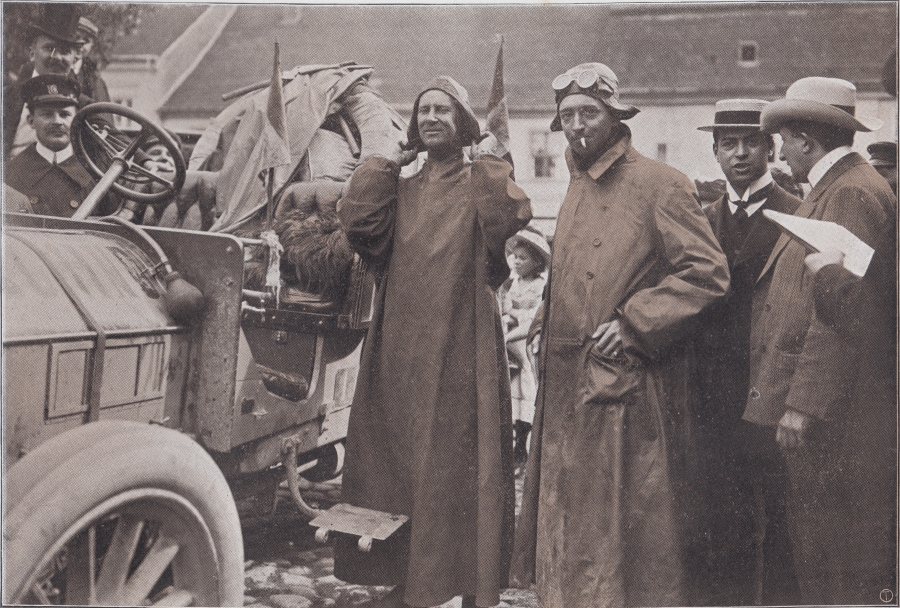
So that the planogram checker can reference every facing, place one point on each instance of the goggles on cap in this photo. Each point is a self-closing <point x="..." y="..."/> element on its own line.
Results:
<point x="585" y="79"/>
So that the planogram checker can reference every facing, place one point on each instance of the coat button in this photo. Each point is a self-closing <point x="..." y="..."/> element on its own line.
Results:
<point x="74" y="204"/>
<point x="596" y="242"/>
<point x="754" y="393"/>
<point x="768" y="307"/>
<point x="590" y="274"/>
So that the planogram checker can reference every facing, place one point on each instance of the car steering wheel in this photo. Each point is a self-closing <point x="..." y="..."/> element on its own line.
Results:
<point x="110" y="155"/>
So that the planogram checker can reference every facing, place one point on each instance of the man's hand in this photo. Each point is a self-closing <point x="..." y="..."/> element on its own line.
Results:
<point x="400" y="156"/>
<point x="791" y="432"/>
<point x="816" y="261"/>
<point x="609" y="338"/>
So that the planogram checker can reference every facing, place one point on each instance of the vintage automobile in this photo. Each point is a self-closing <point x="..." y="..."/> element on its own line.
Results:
<point x="150" y="396"/>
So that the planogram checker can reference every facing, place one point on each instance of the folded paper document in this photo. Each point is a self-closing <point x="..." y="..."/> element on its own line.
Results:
<point x="817" y="235"/>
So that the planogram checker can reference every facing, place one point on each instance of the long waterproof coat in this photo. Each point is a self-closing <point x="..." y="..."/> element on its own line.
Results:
<point x="430" y="429"/>
<point x="601" y="517"/>
<point x="843" y="481"/>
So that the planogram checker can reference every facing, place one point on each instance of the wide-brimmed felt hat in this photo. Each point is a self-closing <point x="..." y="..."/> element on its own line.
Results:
<point x="736" y="114"/>
<point x="50" y="89"/>
<point x="58" y="21"/>
<point x="469" y="129"/>
<point x="830" y="101"/>
<point x="533" y="240"/>
<point x="883" y="154"/>
<point x="595" y="80"/>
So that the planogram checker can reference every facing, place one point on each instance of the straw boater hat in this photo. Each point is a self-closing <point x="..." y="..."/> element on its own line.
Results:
<point x="829" y="101"/>
<point x="533" y="240"/>
<point x="736" y="114"/>
<point x="594" y="80"/>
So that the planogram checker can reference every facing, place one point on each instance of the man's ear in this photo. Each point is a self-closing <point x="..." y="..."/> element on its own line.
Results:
<point x="30" y="118"/>
<point x="31" y="52"/>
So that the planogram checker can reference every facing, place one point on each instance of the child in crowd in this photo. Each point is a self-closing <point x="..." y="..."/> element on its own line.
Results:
<point x="520" y="298"/>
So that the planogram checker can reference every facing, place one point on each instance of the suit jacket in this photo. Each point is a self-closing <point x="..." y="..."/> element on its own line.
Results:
<point x="723" y="347"/>
<point x="791" y="366"/>
<point x="52" y="190"/>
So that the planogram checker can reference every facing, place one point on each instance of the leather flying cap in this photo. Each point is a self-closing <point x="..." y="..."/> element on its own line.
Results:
<point x="594" y="80"/>
<point x="58" y="21"/>
<point x="829" y="101"/>
<point x="51" y="89"/>
<point x="468" y="129"/>
<point x="736" y="114"/>
<point x="883" y="154"/>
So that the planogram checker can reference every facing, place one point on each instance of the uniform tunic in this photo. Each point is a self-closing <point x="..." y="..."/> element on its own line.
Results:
<point x="601" y="517"/>
<point x="430" y="426"/>
<point x="56" y="190"/>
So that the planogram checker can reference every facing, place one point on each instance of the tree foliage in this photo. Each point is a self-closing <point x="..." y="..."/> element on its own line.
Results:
<point x="115" y="20"/>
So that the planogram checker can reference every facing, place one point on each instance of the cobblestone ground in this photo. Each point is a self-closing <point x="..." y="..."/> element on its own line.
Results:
<point x="286" y="568"/>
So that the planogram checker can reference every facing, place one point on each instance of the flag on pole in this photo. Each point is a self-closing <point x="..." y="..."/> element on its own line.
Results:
<point x="497" y="110"/>
<point x="277" y="151"/>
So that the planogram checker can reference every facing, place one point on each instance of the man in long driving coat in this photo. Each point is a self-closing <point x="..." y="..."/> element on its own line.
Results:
<point x="430" y="433"/>
<point x="743" y="552"/>
<point x="634" y="262"/>
<point x="807" y="379"/>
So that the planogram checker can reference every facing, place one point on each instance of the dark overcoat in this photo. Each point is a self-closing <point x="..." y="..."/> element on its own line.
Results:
<point x="725" y="536"/>
<point x="52" y="190"/>
<point x="843" y="481"/>
<point x="430" y="429"/>
<point x="602" y="518"/>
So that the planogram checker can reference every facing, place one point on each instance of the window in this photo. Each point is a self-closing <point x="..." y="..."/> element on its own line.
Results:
<point x="544" y="163"/>
<point x="661" y="152"/>
<point x="120" y="122"/>
<point x="749" y="54"/>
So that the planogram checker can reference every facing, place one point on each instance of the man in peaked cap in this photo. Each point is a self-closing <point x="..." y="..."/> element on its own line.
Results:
<point x="430" y="433"/>
<point x="746" y="556"/>
<point x="837" y="429"/>
<point x="54" y="50"/>
<point x="634" y="262"/>
<point x="883" y="156"/>
<point x="47" y="171"/>
<point x="86" y="69"/>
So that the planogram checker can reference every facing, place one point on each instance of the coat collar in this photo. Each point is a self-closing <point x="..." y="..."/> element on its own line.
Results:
<point x="609" y="158"/>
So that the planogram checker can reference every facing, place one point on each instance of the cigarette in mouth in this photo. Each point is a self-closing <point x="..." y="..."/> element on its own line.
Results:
<point x="583" y="143"/>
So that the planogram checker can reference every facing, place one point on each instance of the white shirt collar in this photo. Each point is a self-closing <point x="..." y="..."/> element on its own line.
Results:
<point x="48" y="154"/>
<point x="825" y="163"/>
<point x="764" y="180"/>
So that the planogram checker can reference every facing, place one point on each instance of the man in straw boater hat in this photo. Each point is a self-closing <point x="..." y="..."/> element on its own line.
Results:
<point x="431" y="425"/>
<point x="808" y="380"/>
<point x="634" y="262"/>
<point x="743" y="550"/>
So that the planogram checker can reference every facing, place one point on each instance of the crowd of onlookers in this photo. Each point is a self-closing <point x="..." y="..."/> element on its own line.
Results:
<point x="703" y="407"/>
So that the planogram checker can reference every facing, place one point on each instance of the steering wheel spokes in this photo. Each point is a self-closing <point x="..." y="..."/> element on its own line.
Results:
<point x="116" y="157"/>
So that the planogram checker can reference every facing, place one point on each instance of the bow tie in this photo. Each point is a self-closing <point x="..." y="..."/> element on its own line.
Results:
<point x="756" y="197"/>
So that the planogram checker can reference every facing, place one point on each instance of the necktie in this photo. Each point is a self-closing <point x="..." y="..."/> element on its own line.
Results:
<point x="741" y="214"/>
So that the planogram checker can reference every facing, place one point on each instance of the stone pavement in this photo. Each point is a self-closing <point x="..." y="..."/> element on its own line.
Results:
<point x="286" y="568"/>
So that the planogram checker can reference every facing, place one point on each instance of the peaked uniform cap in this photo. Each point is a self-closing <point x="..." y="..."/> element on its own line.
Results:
<point x="829" y="101"/>
<point x="883" y="154"/>
<point x="58" y="21"/>
<point x="736" y="114"/>
<point x="88" y="28"/>
<point x="605" y="89"/>
<point x="50" y="89"/>
<point x="467" y="124"/>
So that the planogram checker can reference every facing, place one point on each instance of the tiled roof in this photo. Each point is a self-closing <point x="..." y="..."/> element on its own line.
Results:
<point x="158" y="29"/>
<point x="665" y="52"/>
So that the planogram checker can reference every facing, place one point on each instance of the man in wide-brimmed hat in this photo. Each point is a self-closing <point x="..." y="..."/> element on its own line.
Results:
<point x="838" y="433"/>
<point x="634" y="263"/>
<point x="54" y="49"/>
<point x="430" y="428"/>
<point x="743" y="554"/>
